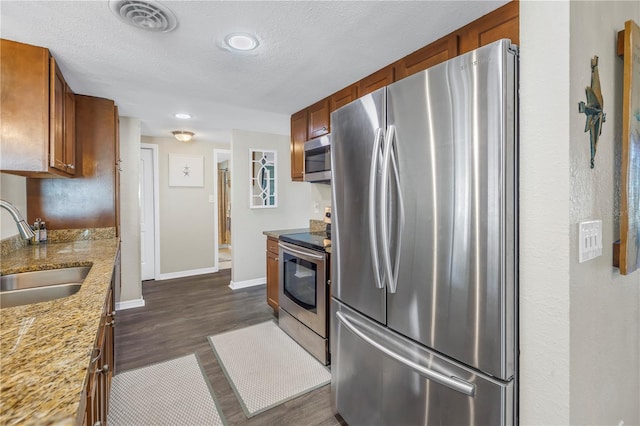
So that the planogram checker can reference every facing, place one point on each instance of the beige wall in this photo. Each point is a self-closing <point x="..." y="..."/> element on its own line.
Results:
<point x="186" y="215"/>
<point x="605" y="306"/>
<point x="130" y="209"/>
<point x="294" y="204"/>
<point x="14" y="190"/>
<point x="579" y="323"/>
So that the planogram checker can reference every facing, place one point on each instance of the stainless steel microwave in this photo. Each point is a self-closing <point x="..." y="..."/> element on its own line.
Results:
<point x="317" y="160"/>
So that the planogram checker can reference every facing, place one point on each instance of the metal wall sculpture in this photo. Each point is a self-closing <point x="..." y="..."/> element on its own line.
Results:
<point x="593" y="109"/>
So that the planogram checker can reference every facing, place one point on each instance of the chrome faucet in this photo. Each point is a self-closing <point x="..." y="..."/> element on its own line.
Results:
<point x="23" y="228"/>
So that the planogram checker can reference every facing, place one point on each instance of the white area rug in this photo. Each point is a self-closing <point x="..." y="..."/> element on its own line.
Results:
<point x="174" y="392"/>
<point x="266" y="367"/>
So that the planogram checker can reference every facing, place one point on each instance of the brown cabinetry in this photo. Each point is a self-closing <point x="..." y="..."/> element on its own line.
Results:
<point x="34" y="117"/>
<point x="272" y="273"/>
<point x="298" y="138"/>
<point x="89" y="200"/>
<point x="318" y="117"/>
<point x="102" y="365"/>
<point x="440" y="51"/>
<point x="377" y="80"/>
<point x="503" y="22"/>
<point x="343" y="97"/>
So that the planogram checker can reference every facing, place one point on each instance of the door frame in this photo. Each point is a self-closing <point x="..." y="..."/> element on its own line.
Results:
<point x="156" y="207"/>
<point x="216" y="235"/>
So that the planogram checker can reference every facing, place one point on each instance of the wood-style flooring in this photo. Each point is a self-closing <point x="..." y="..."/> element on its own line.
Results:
<point x="178" y="316"/>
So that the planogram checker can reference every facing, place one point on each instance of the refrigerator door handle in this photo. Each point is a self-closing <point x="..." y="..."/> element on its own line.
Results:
<point x="451" y="382"/>
<point x="388" y="158"/>
<point x="393" y="284"/>
<point x="373" y="234"/>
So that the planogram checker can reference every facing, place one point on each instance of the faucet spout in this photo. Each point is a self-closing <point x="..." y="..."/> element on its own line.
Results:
<point x="23" y="228"/>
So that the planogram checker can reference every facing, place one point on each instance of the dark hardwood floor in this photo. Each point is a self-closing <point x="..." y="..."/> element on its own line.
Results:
<point x="178" y="316"/>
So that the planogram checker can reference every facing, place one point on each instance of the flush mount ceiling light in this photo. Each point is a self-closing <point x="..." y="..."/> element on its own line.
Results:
<point x="182" y="115"/>
<point x="148" y="15"/>
<point x="242" y="42"/>
<point x="183" y="135"/>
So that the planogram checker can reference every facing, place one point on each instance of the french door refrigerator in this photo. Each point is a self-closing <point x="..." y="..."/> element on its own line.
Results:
<point x="424" y="273"/>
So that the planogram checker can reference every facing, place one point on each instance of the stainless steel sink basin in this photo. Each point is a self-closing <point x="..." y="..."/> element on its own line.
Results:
<point x="40" y="286"/>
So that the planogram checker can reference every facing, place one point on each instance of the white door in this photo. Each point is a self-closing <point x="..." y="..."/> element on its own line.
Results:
<point x="147" y="225"/>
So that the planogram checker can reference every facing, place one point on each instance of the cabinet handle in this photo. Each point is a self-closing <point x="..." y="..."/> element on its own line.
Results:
<point x="70" y="166"/>
<point x="104" y="369"/>
<point x="277" y="259"/>
<point x="97" y="357"/>
<point x="98" y="423"/>
<point x="112" y="323"/>
<point x="112" y="314"/>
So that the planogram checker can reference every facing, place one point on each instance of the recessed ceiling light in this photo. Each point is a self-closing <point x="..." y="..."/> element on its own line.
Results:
<point x="182" y="115"/>
<point x="241" y="41"/>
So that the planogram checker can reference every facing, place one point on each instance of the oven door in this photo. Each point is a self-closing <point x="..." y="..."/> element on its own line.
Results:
<point x="303" y="285"/>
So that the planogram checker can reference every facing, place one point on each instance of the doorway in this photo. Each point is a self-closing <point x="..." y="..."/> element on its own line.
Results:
<point x="148" y="190"/>
<point x="222" y="212"/>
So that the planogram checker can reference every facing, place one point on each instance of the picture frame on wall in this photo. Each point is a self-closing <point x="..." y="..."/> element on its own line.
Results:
<point x="186" y="170"/>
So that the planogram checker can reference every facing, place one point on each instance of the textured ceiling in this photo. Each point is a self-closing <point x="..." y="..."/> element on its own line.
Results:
<point x="308" y="50"/>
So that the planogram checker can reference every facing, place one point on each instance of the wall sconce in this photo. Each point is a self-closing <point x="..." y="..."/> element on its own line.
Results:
<point x="183" y="135"/>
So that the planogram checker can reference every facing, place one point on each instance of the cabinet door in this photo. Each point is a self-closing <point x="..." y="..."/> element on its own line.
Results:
<point x="56" y="119"/>
<point x="319" y="119"/>
<point x="501" y="23"/>
<point x="343" y="97"/>
<point x="377" y="80"/>
<point x="298" y="138"/>
<point x="435" y="53"/>
<point x="70" y="130"/>
<point x="272" y="280"/>
<point x="24" y="115"/>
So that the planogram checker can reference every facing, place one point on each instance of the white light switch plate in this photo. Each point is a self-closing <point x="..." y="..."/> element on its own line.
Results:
<point x="589" y="240"/>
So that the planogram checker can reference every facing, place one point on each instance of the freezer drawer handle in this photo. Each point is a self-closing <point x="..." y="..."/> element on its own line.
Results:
<point x="451" y="382"/>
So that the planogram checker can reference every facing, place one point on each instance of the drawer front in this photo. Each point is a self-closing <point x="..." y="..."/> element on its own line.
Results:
<point x="272" y="245"/>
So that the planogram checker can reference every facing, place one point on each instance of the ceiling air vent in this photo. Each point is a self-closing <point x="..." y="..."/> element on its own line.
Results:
<point x="148" y="15"/>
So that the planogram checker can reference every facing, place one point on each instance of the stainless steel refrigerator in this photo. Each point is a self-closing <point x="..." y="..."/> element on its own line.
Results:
<point x="424" y="257"/>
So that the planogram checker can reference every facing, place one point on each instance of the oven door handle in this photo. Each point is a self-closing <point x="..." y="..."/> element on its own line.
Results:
<point x="300" y="253"/>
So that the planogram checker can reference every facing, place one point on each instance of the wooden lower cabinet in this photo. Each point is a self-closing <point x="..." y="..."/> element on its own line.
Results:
<point x="102" y="366"/>
<point x="272" y="273"/>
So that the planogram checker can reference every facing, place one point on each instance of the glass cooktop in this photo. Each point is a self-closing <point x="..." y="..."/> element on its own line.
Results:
<point x="314" y="241"/>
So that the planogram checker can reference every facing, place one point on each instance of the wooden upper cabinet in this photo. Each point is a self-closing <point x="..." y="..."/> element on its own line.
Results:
<point x="32" y="125"/>
<point x="502" y="23"/>
<point x="433" y="54"/>
<point x="56" y="119"/>
<point x="343" y="97"/>
<point x="318" y="118"/>
<point x="88" y="200"/>
<point x="377" y="80"/>
<point x="298" y="138"/>
<point x="70" y="131"/>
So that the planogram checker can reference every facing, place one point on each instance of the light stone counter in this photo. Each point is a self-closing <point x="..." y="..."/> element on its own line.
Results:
<point x="45" y="348"/>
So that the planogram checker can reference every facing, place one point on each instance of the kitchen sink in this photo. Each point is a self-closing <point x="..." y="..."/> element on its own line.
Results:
<point x="40" y="286"/>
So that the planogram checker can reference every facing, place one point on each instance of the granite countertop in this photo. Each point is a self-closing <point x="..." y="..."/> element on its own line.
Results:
<point x="276" y="234"/>
<point x="45" y="348"/>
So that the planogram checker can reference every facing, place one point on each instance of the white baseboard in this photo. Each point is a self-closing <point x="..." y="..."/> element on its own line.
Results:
<point x="182" y="274"/>
<point x="247" y="283"/>
<point x="129" y="304"/>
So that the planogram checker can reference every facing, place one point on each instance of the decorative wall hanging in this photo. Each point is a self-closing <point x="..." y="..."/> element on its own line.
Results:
<point x="593" y="109"/>
<point x="262" y="179"/>
<point x="186" y="170"/>
<point x="628" y="250"/>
